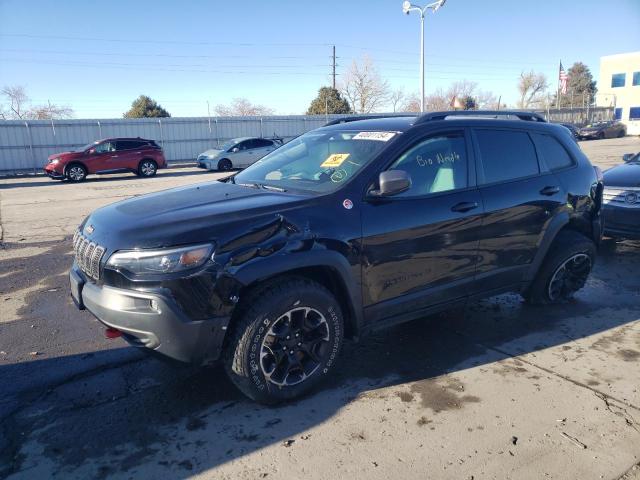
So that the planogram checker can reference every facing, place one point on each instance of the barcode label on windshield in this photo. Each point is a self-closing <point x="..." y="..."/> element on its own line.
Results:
<point x="379" y="136"/>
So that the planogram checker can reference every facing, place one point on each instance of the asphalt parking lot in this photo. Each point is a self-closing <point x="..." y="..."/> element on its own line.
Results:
<point x="497" y="390"/>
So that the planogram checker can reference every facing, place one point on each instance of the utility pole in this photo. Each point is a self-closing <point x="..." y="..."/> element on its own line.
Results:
<point x="334" y="67"/>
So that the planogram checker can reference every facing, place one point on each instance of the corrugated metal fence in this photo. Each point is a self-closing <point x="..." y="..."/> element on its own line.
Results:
<point x="25" y="145"/>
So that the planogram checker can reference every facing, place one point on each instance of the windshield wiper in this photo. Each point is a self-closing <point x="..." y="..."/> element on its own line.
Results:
<point x="250" y="185"/>
<point x="271" y="187"/>
<point x="261" y="185"/>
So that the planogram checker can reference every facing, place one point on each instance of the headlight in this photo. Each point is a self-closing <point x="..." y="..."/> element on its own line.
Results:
<point x="168" y="260"/>
<point x="55" y="161"/>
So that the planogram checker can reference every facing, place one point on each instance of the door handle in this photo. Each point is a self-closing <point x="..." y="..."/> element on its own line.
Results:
<point x="548" y="191"/>
<point x="464" y="206"/>
<point x="114" y="156"/>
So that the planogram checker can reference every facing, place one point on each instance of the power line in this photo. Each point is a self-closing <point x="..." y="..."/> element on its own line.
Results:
<point x="163" y="67"/>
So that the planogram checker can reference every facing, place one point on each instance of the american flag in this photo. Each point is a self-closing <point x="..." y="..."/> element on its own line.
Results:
<point x="563" y="79"/>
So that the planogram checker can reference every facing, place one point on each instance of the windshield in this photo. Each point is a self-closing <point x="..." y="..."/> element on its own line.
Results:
<point x="87" y="146"/>
<point x="227" y="145"/>
<point x="318" y="161"/>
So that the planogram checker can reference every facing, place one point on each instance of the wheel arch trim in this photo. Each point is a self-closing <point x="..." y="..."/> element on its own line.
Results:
<point x="299" y="264"/>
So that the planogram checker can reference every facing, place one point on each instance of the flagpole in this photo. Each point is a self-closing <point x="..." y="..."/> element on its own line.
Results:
<point x="558" y="94"/>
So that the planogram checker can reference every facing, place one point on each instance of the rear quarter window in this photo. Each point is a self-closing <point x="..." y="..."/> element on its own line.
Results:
<point x="506" y="155"/>
<point x="555" y="156"/>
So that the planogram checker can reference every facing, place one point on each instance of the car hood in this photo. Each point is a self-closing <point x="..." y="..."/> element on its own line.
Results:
<point x="65" y="155"/>
<point x="627" y="175"/>
<point x="192" y="214"/>
<point x="213" y="152"/>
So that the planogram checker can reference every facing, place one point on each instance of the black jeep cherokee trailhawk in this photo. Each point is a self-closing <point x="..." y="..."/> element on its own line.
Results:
<point x="355" y="226"/>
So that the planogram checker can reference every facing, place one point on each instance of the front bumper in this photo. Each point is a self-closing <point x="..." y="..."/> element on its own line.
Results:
<point x="622" y="222"/>
<point x="587" y="135"/>
<point x="151" y="320"/>
<point x="50" y="170"/>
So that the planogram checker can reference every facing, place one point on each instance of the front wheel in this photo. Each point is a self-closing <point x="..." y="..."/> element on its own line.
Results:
<point x="564" y="271"/>
<point x="225" y="165"/>
<point x="286" y="340"/>
<point x="76" y="173"/>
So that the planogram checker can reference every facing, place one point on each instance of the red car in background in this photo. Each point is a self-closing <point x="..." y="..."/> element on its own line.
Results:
<point x="112" y="155"/>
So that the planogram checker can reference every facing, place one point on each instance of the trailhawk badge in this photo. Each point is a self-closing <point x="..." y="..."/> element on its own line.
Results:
<point x="348" y="204"/>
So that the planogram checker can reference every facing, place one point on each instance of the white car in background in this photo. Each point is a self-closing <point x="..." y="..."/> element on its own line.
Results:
<point x="237" y="153"/>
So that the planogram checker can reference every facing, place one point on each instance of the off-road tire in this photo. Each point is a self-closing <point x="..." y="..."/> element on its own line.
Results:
<point x="568" y="245"/>
<point x="224" y="165"/>
<point x="76" y="172"/>
<point x="257" y="314"/>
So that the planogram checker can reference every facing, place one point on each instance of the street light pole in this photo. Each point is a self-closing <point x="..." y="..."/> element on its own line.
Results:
<point x="407" y="7"/>
<point x="422" y="61"/>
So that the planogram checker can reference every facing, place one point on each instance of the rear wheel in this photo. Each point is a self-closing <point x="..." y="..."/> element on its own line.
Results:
<point x="564" y="271"/>
<point x="225" y="165"/>
<point x="147" y="168"/>
<point x="621" y="134"/>
<point x="287" y="339"/>
<point x="76" y="172"/>
<point x="600" y="135"/>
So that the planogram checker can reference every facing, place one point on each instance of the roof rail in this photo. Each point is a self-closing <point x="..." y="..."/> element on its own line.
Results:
<point x="338" y="121"/>
<point x="527" y="116"/>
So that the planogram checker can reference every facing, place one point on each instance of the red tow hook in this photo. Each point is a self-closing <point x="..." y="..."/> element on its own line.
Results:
<point x="112" y="333"/>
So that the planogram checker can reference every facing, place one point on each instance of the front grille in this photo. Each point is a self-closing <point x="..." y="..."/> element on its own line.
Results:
<point x="88" y="255"/>
<point x="627" y="197"/>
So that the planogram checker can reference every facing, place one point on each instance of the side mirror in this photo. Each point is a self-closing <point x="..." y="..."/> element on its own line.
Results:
<point x="392" y="182"/>
<point x="235" y="150"/>
<point x="627" y="157"/>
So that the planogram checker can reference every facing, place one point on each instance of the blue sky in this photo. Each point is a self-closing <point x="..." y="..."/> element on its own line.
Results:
<point x="98" y="56"/>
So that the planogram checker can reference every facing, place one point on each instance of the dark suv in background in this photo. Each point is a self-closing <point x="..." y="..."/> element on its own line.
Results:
<point x="346" y="229"/>
<point x="112" y="155"/>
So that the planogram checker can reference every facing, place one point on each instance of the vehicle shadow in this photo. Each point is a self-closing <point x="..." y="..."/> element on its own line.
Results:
<point x="43" y="181"/>
<point x="118" y="412"/>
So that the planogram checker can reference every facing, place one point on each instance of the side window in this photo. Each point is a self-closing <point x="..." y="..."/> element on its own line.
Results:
<point x="262" y="143"/>
<point x="105" y="147"/>
<point x="618" y="80"/>
<point x="127" y="145"/>
<point x="243" y="145"/>
<point x="506" y="155"/>
<point x="553" y="153"/>
<point x="436" y="164"/>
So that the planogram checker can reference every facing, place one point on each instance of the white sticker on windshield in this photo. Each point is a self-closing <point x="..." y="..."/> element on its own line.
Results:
<point x="380" y="136"/>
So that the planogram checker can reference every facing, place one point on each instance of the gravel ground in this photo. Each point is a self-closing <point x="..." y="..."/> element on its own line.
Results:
<point x="497" y="390"/>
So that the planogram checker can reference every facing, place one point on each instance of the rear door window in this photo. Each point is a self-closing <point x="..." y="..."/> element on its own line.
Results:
<point x="505" y="155"/>
<point x="552" y="152"/>
<point x="127" y="144"/>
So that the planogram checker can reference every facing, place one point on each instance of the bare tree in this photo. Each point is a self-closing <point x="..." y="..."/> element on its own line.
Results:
<point x="487" y="100"/>
<point x="19" y="108"/>
<point x="16" y="98"/>
<point x="50" y="111"/>
<point x="396" y="98"/>
<point x="462" y="89"/>
<point x="411" y="103"/>
<point x="363" y="87"/>
<point x="241" y="107"/>
<point x="532" y="87"/>
<point x="438" y="100"/>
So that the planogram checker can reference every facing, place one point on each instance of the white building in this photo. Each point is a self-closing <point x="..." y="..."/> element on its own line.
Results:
<point x="619" y="86"/>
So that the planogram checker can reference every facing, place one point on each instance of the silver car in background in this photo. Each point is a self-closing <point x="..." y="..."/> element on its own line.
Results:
<point x="237" y="153"/>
